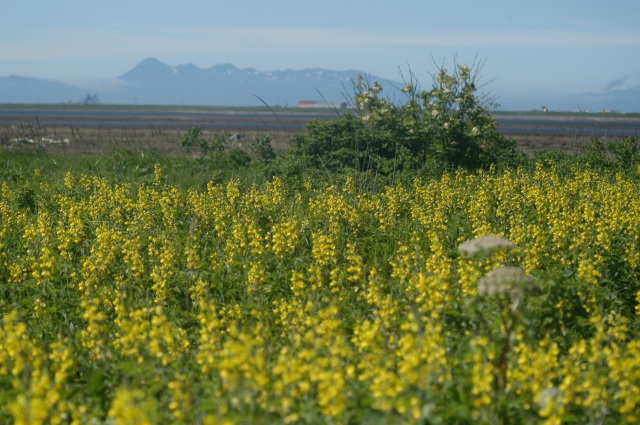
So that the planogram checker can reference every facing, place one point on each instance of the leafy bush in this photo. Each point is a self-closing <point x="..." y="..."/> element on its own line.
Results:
<point x="195" y="139"/>
<point x="625" y="152"/>
<point x="348" y="142"/>
<point x="447" y="126"/>
<point x="598" y="155"/>
<point x="262" y="149"/>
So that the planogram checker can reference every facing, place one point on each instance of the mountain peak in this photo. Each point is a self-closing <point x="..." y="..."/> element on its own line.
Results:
<point x="151" y="61"/>
<point x="148" y="68"/>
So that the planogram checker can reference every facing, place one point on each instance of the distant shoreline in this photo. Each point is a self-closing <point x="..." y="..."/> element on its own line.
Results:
<point x="263" y="118"/>
<point x="94" y="128"/>
<point x="294" y="109"/>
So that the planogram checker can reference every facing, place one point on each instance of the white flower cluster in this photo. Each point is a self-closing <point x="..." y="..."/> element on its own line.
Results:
<point x="548" y="397"/>
<point x="504" y="280"/>
<point x="360" y="84"/>
<point x="485" y="245"/>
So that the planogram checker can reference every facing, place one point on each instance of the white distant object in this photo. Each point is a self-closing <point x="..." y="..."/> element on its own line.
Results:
<point x="317" y="104"/>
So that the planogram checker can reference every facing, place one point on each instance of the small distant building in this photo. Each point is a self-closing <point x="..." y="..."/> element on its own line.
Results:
<point x="316" y="104"/>
<point x="308" y="104"/>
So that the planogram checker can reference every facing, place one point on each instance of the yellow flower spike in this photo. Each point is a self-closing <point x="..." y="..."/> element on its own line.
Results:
<point x="95" y="334"/>
<point x="157" y="172"/>
<point x="130" y="406"/>
<point x="284" y="237"/>
<point x="35" y="405"/>
<point x="482" y="372"/>
<point x="233" y="191"/>
<point x="61" y="356"/>
<point x="181" y="399"/>
<point x="355" y="269"/>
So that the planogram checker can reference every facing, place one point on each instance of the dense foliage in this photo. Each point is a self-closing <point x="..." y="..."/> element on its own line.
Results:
<point x="447" y="126"/>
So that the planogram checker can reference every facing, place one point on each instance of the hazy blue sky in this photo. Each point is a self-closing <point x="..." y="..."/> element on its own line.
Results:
<point x="531" y="48"/>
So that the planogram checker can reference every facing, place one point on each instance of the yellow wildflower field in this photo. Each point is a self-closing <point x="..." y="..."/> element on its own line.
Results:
<point x="151" y="304"/>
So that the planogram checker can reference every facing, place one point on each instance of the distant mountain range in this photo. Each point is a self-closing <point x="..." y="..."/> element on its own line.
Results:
<point x="152" y="82"/>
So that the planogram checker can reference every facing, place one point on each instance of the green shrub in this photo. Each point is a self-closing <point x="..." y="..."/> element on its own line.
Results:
<point x="447" y="126"/>
<point x="625" y="152"/>
<point x="195" y="139"/>
<point x="262" y="149"/>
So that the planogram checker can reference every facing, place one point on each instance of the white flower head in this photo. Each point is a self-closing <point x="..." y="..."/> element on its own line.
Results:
<point x="485" y="245"/>
<point x="548" y="396"/>
<point x="504" y="280"/>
